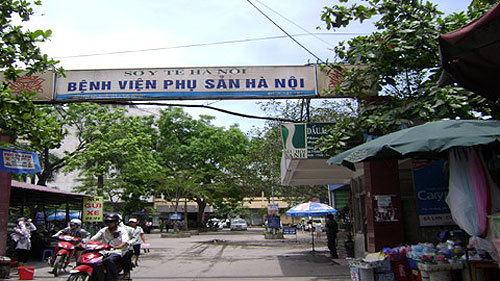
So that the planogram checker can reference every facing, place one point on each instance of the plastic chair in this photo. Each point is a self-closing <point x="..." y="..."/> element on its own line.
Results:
<point x="45" y="252"/>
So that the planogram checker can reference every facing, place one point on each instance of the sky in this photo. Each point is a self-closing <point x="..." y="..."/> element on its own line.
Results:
<point x="117" y="34"/>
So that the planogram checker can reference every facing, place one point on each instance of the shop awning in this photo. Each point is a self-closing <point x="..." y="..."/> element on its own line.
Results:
<point x="29" y="194"/>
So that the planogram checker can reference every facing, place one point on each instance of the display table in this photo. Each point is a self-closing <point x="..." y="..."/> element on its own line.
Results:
<point x="439" y="272"/>
<point x="491" y="270"/>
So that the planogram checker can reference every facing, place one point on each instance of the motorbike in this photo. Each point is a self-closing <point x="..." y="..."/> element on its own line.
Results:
<point x="89" y="266"/>
<point x="63" y="252"/>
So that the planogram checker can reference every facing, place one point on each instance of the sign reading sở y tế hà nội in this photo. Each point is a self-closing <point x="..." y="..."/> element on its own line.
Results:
<point x="188" y="83"/>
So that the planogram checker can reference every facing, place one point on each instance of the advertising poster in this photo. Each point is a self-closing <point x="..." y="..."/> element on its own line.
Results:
<point x="385" y="211"/>
<point x="299" y="140"/>
<point x="92" y="209"/>
<point x="431" y="188"/>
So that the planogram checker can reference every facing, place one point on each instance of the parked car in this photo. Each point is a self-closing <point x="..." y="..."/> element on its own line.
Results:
<point x="318" y="223"/>
<point x="239" y="224"/>
<point x="216" y="223"/>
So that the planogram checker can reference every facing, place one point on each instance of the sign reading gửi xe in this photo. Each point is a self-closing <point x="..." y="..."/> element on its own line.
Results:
<point x="300" y="139"/>
<point x="188" y="83"/>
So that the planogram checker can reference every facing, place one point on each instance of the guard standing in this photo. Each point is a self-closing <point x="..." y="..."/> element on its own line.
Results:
<point x="331" y="234"/>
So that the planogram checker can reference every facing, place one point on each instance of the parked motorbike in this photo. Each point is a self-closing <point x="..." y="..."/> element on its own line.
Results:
<point x="89" y="265"/>
<point x="64" y="251"/>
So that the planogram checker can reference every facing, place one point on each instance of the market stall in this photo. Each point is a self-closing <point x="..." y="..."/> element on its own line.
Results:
<point x="471" y="148"/>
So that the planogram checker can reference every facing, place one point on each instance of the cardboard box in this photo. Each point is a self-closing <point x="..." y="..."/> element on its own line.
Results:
<point x="383" y="266"/>
<point x="384" y="276"/>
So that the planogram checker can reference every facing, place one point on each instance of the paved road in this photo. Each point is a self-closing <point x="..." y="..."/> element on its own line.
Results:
<point x="229" y="255"/>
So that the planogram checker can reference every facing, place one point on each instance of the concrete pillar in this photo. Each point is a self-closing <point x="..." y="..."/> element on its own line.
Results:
<point x="383" y="205"/>
<point x="5" y="182"/>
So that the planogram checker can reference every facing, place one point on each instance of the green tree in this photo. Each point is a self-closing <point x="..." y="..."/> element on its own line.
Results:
<point x="200" y="157"/>
<point x="400" y="61"/>
<point x="115" y="154"/>
<point x="20" y="118"/>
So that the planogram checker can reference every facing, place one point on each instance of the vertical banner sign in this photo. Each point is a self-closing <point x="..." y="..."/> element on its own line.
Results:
<point x="300" y="139"/>
<point x="431" y="188"/>
<point x="92" y="209"/>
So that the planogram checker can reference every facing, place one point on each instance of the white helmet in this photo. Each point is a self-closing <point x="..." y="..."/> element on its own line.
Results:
<point x="76" y="222"/>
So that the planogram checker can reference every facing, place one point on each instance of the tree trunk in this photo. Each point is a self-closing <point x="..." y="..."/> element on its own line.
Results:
<point x="100" y="185"/>
<point x="201" y="209"/>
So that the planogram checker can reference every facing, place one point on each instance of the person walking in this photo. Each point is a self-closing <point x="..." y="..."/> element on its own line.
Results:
<point x="136" y="234"/>
<point x="332" y="228"/>
<point x="22" y="237"/>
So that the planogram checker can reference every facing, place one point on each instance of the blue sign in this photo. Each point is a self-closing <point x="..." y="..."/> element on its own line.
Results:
<point x="19" y="162"/>
<point x="175" y="216"/>
<point x="273" y="222"/>
<point x="431" y="189"/>
<point x="289" y="231"/>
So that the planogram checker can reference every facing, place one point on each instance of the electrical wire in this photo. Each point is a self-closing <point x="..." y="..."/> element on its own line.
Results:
<point x="206" y="44"/>
<point x="292" y="22"/>
<point x="287" y="34"/>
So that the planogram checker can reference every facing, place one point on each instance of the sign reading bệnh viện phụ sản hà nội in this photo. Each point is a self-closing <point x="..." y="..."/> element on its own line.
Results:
<point x="248" y="82"/>
<point x="299" y="140"/>
<point x="188" y="83"/>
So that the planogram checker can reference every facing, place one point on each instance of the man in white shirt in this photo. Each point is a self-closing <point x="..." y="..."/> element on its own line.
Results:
<point x="117" y="237"/>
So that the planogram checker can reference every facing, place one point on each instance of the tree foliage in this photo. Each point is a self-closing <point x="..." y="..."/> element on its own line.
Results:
<point x="115" y="153"/>
<point x="399" y="61"/>
<point x="199" y="159"/>
<point x="19" y="53"/>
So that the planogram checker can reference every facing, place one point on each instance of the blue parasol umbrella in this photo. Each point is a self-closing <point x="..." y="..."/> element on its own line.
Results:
<point x="61" y="215"/>
<point x="311" y="209"/>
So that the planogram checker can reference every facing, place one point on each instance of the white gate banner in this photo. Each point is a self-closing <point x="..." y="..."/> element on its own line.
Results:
<point x="188" y="83"/>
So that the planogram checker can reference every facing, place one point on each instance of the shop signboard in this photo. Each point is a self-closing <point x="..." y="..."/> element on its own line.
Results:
<point x="431" y="189"/>
<point x="19" y="162"/>
<point x="299" y="140"/>
<point x="175" y="216"/>
<point x="245" y="82"/>
<point x="92" y="209"/>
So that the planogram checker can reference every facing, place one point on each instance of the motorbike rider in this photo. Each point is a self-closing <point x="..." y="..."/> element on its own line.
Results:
<point x="74" y="229"/>
<point x="117" y="237"/>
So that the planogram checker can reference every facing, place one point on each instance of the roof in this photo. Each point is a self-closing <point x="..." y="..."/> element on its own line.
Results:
<point x="27" y="194"/>
<point x="40" y="188"/>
